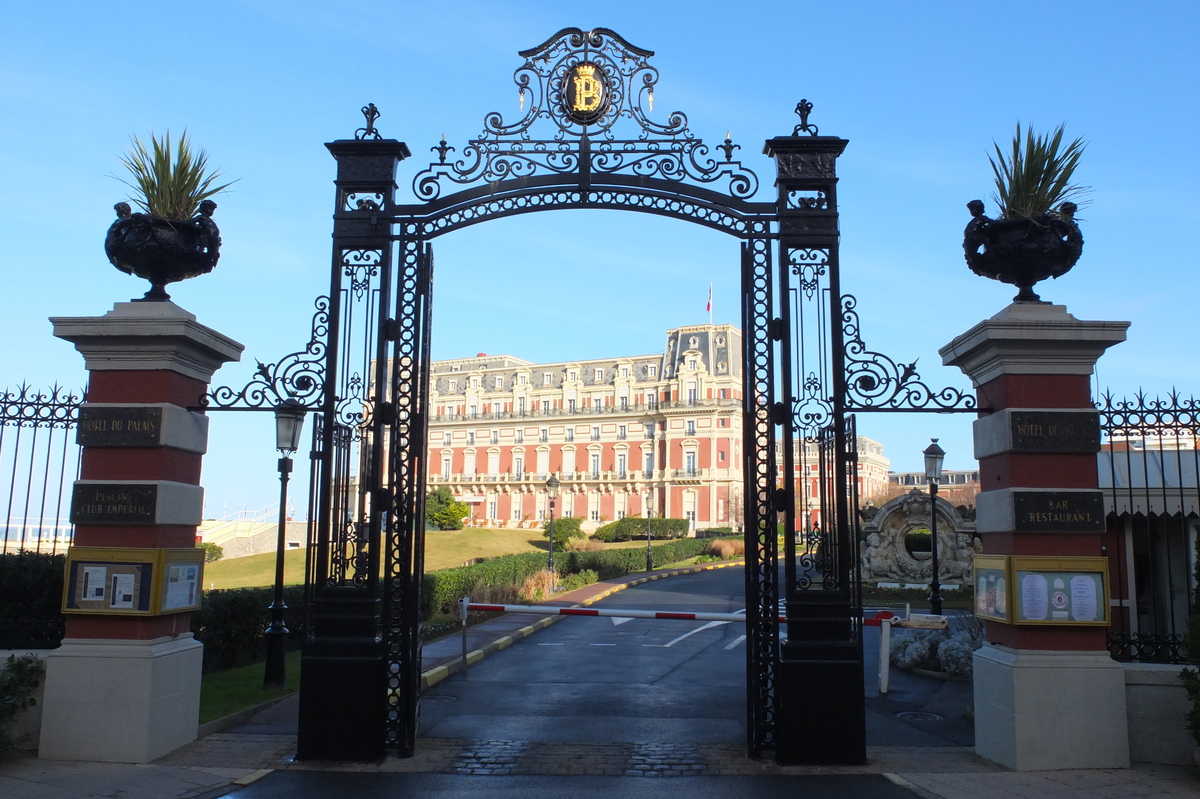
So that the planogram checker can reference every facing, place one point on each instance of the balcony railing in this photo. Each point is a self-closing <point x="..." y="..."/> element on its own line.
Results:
<point x="606" y="410"/>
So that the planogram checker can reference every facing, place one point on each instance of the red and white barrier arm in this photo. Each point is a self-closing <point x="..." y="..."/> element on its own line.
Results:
<point x="544" y="610"/>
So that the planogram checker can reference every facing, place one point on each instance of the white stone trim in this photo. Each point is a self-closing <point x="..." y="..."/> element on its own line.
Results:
<point x="148" y="336"/>
<point x="1031" y="338"/>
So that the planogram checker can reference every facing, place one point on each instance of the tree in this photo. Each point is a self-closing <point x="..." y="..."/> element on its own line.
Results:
<point x="212" y="552"/>
<point x="565" y="529"/>
<point x="443" y="511"/>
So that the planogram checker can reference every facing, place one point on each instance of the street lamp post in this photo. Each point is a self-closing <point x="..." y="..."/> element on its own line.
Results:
<point x="933" y="473"/>
<point x="552" y="486"/>
<point x="289" y="421"/>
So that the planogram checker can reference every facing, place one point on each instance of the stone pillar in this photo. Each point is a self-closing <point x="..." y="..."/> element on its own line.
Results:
<point x="1047" y="696"/>
<point x="126" y="688"/>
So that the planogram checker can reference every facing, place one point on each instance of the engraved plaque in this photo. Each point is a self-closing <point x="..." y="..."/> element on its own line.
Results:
<point x="1058" y="511"/>
<point x="114" y="503"/>
<point x="1055" y="431"/>
<point x="115" y="426"/>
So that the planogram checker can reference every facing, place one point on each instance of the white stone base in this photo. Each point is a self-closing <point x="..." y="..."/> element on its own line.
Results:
<point x="1043" y="710"/>
<point x="121" y="701"/>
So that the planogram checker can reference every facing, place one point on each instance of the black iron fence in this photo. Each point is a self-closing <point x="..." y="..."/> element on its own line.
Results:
<point x="1150" y="472"/>
<point x="39" y="461"/>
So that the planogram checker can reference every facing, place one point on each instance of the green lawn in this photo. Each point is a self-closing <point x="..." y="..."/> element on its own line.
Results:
<point x="444" y="549"/>
<point x="226" y="692"/>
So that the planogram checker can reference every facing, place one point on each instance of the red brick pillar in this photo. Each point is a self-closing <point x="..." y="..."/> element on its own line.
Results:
<point x="1047" y="694"/>
<point x="125" y="685"/>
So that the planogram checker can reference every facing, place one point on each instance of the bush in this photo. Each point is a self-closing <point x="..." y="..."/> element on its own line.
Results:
<point x="443" y="511"/>
<point x="578" y="580"/>
<point x="231" y="624"/>
<point x="585" y="545"/>
<point x="537" y="586"/>
<point x="18" y="679"/>
<point x="212" y="552"/>
<point x="565" y="529"/>
<point x="714" y="532"/>
<point x="935" y="650"/>
<point x="726" y="548"/>
<point x="632" y="527"/>
<point x="31" y="587"/>
<point x="441" y="590"/>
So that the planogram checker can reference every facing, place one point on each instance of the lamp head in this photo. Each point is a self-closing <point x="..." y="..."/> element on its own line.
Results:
<point x="933" y="461"/>
<point x="552" y="486"/>
<point x="289" y="423"/>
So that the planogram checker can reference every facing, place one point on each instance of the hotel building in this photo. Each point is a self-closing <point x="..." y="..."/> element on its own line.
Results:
<point x="625" y="435"/>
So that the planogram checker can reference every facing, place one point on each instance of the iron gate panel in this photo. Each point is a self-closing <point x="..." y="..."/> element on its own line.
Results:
<point x="365" y="372"/>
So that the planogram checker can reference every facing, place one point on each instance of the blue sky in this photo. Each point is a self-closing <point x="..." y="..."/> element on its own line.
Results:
<point x="920" y="89"/>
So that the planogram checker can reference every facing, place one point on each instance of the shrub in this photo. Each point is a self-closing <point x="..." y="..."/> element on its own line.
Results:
<point x="632" y="527"/>
<point x="443" y="511"/>
<point x="537" y="586"/>
<point x="714" y="532"/>
<point x="935" y="650"/>
<point x="18" y="679"/>
<point x="726" y="548"/>
<point x="231" y="624"/>
<point x="212" y="552"/>
<point x="31" y="587"/>
<point x="565" y="529"/>
<point x="578" y="580"/>
<point x="442" y="589"/>
<point x="584" y="545"/>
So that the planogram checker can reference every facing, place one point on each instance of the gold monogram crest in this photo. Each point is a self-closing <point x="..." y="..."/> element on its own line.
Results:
<point x="585" y="93"/>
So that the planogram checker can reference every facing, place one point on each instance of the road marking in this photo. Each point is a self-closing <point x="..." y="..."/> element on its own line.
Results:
<point x="620" y="619"/>
<point x="736" y="641"/>
<point x="708" y="626"/>
<point x="549" y="644"/>
<point x="603" y="644"/>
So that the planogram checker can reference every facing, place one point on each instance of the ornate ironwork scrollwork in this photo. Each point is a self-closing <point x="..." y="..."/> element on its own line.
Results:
<point x="874" y="382"/>
<point x="28" y="407"/>
<point x="803" y="109"/>
<point x="1143" y="416"/>
<point x="299" y="376"/>
<point x="622" y="85"/>
<point x="371" y="113"/>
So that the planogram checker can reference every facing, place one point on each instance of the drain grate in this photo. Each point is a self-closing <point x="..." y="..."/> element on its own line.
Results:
<point x="438" y="698"/>
<point x="918" y="715"/>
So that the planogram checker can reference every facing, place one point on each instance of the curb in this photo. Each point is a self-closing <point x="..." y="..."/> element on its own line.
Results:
<point x="437" y="674"/>
<point x="237" y="717"/>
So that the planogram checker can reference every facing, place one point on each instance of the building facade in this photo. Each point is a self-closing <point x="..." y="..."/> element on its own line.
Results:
<point x="872" y="475"/>
<point x="626" y="435"/>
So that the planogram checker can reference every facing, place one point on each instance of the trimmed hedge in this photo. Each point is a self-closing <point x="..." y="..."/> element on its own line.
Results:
<point x="441" y="590"/>
<point x="31" y="586"/>
<point x="231" y="623"/>
<point x="632" y="527"/>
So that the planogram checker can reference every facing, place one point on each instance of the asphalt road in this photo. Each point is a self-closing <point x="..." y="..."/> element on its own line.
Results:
<point x="637" y="682"/>
<point x="603" y="679"/>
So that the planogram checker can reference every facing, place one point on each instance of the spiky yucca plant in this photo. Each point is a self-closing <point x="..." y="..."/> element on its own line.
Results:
<point x="1037" y="177"/>
<point x="171" y="182"/>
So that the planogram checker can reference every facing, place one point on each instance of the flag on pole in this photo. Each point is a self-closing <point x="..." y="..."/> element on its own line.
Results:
<point x="709" y="308"/>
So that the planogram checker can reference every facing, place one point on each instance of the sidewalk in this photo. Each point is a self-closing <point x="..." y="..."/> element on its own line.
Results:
<point x="239" y="752"/>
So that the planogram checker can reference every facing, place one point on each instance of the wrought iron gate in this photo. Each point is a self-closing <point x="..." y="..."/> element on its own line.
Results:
<point x="585" y="139"/>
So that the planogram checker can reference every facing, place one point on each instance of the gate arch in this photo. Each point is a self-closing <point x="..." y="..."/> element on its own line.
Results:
<point x="365" y="372"/>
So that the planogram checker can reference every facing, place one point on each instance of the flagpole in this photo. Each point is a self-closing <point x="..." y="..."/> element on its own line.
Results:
<point x="710" y="304"/>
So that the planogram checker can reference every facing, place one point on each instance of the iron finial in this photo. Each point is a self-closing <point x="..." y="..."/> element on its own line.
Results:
<point x="728" y="147"/>
<point x="442" y="148"/>
<point x="369" y="132"/>
<point x="803" y="109"/>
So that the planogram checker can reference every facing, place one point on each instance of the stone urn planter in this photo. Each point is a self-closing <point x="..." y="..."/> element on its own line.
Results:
<point x="1022" y="251"/>
<point x="163" y="250"/>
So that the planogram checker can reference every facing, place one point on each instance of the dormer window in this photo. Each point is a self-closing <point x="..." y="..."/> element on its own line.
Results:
<point x="453" y="384"/>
